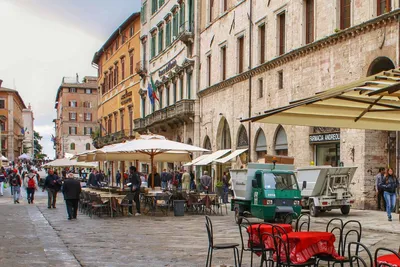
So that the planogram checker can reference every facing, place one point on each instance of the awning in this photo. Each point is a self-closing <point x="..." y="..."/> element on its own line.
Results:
<point x="370" y="103"/>
<point x="233" y="155"/>
<point x="196" y="160"/>
<point x="211" y="157"/>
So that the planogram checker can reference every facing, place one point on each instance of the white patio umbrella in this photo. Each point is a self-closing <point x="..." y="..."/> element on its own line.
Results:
<point x="24" y="156"/>
<point x="2" y="158"/>
<point x="65" y="162"/>
<point x="146" y="148"/>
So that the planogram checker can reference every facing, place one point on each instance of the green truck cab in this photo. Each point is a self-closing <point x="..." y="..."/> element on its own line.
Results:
<point x="266" y="191"/>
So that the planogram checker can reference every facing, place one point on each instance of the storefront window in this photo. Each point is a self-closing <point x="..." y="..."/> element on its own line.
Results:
<point x="328" y="154"/>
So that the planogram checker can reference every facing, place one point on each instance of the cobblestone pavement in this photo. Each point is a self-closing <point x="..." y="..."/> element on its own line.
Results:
<point x="32" y="235"/>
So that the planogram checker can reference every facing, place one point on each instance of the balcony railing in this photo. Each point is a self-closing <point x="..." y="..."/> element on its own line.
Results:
<point x="186" y="32"/>
<point x="113" y="138"/>
<point x="181" y="111"/>
<point x="141" y="68"/>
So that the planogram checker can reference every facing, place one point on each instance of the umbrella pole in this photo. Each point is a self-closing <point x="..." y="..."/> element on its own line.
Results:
<point x="152" y="170"/>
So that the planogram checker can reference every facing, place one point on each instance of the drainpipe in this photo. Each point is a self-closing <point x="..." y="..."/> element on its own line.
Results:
<point x="250" y="66"/>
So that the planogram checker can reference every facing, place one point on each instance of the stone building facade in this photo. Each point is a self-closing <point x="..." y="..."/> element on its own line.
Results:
<point x="28" y="142"/>
<point x="169" y="52"/>
<point x="76" y="106"/>
<point x="259" y="55"/>
<point x="11" y="123"/>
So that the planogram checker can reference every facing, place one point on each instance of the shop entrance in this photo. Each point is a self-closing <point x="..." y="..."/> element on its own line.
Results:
<point x="328" y="154"/>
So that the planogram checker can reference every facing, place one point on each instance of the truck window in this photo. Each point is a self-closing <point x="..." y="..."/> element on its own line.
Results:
<point x="279" y="181"/>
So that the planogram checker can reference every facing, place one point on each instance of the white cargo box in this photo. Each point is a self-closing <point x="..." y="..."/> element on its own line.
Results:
<point x="241" y="178"/>
<point x="317" y="177"/>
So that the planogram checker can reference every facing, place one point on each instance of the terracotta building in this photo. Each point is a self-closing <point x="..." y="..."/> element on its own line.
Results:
<point x="11" y="123"/>
<point x="259" y="55"/>
<point x="76" y="106"/>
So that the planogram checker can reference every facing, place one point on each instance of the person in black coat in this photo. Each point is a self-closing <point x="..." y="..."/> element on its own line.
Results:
<point x="71" y="190"/>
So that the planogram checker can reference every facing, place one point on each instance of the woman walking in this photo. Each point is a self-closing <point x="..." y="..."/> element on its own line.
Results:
<point x="389" y="185"/>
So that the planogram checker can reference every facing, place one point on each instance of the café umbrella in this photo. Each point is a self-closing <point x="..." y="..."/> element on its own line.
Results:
<point x="146" y="148"/>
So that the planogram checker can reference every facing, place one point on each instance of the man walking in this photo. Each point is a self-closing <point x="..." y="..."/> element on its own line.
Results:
<point x="31" y="185"/>
<point x="205" y="182"/>
<point x="164" y="179"/>
<point x="71" y="190"/>
<point x="52" y="185"/>
<point x="185" y="181"/>
<point x="2" y="180"/>
<point x="15" y="183"/>
<point x="379" y="179"/>
<point x="135" y="183"/>
<point x="118" y="178"/>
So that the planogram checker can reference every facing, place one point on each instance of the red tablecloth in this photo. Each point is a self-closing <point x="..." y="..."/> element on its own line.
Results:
<point x="304" y="245"/>
<point x="265" y="228"/>
<point x="390" y="259"/>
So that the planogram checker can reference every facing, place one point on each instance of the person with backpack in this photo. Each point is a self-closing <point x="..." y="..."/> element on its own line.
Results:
<point x="52" y="184"/>
<point x="3" y="177"/>
<point x="31" y="185"/>
<point x="15" y="183"/>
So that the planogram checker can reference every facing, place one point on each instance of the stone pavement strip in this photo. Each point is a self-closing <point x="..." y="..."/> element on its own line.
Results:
<point x="33" y="235"/>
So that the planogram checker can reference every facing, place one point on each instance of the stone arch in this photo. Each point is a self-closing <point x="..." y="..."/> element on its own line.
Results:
<point x="207" y="143"/>
<point x="380" y="64"/>
<point x="189" y="141"/>
<point x="88" y="146"/>
<point x="281" y="142"/>
<point x="224" y="140"/>
<point x="72" y="146"/>
<point x="242" y="140"/>
<point x="260" y="144"/>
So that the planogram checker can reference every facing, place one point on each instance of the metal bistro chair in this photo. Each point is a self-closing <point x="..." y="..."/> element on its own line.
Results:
<point x="245" y="226"/>
<point x="351" y="227"/>
<point x="97" y="205"/>
<point x="338" y="232"/>
<point x="303" y="220"/>
<point x="127" y="202"/>
<point x="212" y="246"/>
<point x="353" y="259"/>
<point x="163" y="202"/>
<point x="386" y="250"/>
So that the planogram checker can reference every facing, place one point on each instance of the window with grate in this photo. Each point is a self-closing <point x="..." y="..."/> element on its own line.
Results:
<point x="309" y="21"/>
<point x="345" y="14"/>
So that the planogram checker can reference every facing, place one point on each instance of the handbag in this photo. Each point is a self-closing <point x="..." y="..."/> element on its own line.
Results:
<point x="4" y="185"/>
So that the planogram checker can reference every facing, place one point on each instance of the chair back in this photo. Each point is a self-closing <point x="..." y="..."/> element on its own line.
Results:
<point x="355" y="258"/>
<point x="391" y="251"/>
<point x="303" y="221"/>
<point x="282" y="248"/>
<point x="245" y="226"/>
<point x="209" y="231"/>
<point x="337" y="231"/>
<point x="350" y="228"/>
<point x="130" y="196"/>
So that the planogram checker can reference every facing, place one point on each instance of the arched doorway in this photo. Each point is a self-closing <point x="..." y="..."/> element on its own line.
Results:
<point x="380" y="64"/>
<point x="224" y="140"/>
<point x="281" y="143"/>
<point x="261" y="144"/>
<point x="207" y="143"/>
<point x="189" y="141"/>
<point x="242" y="139"/>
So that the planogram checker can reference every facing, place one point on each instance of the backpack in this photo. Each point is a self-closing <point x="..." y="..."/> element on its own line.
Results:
<point x="14" y="180"/>
<point x="31" y="183"/>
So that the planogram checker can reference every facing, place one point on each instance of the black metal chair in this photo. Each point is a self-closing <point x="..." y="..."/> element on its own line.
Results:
<point x="347" y="231"/>
<point x="269" y="261"/>
<point x="245" y="226"/>
<point x="212" y="246"/>
<point x="303" y="220"/>
<point x="383" y="264"/>
<point x="163" y="203"/>
<point x="127" y="202"/>
<point x="338" y="232"/>
<point x="356" y="259"/>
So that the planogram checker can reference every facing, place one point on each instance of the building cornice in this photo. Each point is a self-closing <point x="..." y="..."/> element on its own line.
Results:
<point x="333" y="39"/>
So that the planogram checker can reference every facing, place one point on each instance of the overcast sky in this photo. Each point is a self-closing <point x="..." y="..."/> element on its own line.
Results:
<point x="43" y="40"/>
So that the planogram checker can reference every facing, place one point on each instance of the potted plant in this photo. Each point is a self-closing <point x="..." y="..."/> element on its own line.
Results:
<point x="219" y="189"/>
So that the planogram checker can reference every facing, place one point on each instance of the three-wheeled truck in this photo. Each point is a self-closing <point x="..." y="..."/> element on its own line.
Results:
<point x="266" y="191"/>
<point x="326" y="188"/>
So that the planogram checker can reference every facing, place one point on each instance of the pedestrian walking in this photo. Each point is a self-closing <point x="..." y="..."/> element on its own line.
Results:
<point x="164" y="179"/>
<point x="205" y="182"/>
<point x="225" y="187"/>
<point x="16" y="183"/>
<point x="3" y="176"/>
<point x="71" y="190"/>
<point x="379" y="178"/>
<point x="31" y="185"/>
<point x="135" y="183"/>
<point x="185" y="181"/>
<point x="192" y="181"/>
<point x="389" y="185"/>
<point x="118" y="178"/>
<point x="52" y="184"/>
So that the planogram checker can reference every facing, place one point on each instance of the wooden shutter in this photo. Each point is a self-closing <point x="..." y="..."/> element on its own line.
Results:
<point x="225" y="5"/>
<point x="345" y="13"/>
<point x="211" y="10"/>
<point x="131" y="63"/>
<point x="282" y="33"/>
<point x="262" y="43"/>
<point x="223" y="52"/>
<point x="241" y="54"/>
<point x="123" y="68"/>
<point x="309" y="21"/>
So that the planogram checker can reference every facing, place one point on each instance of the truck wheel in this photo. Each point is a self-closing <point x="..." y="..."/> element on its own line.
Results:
<point x="238" y="216"/>
<point x="345" y="210"/>
<point x="313" y="210"/>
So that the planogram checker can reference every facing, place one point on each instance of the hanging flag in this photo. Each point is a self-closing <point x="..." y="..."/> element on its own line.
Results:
<point x="150" y="93"/>
<point x="22" y="131"/>
<point x="154" y="90"/>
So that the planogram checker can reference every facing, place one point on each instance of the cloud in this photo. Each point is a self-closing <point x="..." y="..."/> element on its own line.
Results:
<point x="45" y="130"/>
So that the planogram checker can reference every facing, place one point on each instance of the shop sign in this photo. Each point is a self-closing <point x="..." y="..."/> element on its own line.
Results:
<point x="324" y="138"/>
<point x="126" y="98"/>
<point x="167" y="68"/>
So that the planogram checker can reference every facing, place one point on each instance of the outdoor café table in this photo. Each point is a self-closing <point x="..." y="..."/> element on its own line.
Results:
<point x="304" y="245"/>
<point x="207" y="201"/>
<point x="391" y="259"/>
<point x="150" y="202"/>
<point x="264" y="228"/>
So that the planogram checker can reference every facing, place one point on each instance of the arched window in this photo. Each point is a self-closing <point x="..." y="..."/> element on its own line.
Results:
<point x="281" y="143"/>
<point x="242" y="140"/>
<point x="72" y="146"/>
<point x="87" y="146"/>
<point x="189" y="141"/>
<point x="380" y="64"/>
<point x="261" y="144"/>
<point x="207" y="143"/>
<point x="226" y="142"/>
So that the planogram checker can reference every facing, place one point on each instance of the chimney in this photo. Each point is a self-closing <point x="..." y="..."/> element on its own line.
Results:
<point x="77" y="78"/>
<point x="1" y="81"/>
